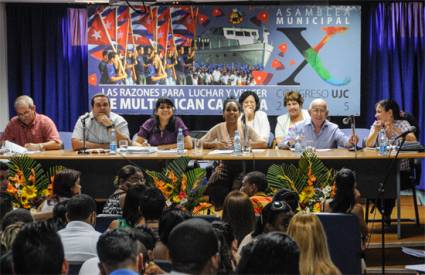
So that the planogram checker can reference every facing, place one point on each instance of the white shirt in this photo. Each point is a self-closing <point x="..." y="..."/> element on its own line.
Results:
<point x="260" y="124"/>
<point x="79" y="241"/>
<point x="90" y="267"/>
<point x="283" y="122"/>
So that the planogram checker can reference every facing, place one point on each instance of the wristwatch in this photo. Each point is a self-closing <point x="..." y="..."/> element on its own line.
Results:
<point x="110" y="126"/>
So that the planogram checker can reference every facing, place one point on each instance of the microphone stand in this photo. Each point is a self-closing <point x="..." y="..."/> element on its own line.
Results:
<point x="353" y="129"/>
<point x="381" y="193"/>
<point x="83" y="151"/>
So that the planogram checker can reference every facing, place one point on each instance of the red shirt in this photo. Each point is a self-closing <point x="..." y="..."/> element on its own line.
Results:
<point x="42" y="129"/>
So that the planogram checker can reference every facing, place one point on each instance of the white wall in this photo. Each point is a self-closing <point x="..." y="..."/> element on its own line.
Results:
<point x="4" y="106"/>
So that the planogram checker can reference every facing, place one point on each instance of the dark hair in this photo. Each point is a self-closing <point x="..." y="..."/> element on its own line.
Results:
<point x="132" y="210"/>
<point x="105" y="52"/>
<point x="246" y="94"/>
<point x="217" y="191"/>
<point x="139" y="47"/>
<point x="293" y="96"/>
<point x="258" y="179"/>
<point x="239" y="213"/>
<point x="225" y="237"/>
<point x="191" y="244"/>
<point x="269" y="215"/>
<point x="169" y="219"/>
<point x="125" y="173"/>
<point x="171" y="126"/>
<point x="229" y="100"/>
<point x="59" y="215"/>
<point x="80" y="207"/>
<point x="153" y="204"/>
<point x="5" y="205"/>
<point x="64" y="181"/>
<point x="117" y="246"/>
<point x="271" y="253"/>
<point x="38" y="249"/>
<point x="289" y="197"/>
<point x="389" y="104"/>
<point x="17" y="215"/>
<point x="344" y="197"/>
<point x="100" y="94"/>
<point x="111" y="55"/>
<point x="6" y="263"/>
<point x="145" y="235"/>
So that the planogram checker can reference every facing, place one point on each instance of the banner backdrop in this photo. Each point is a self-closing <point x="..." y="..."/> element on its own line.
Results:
<point x="198" y="56"/>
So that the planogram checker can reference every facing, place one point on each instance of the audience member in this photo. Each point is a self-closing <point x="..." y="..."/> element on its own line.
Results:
<point x="227" y="247"/>
<point x="293" y="101"/>
<point x="28" y="128"/>
<point x="66" y="184"/>
<point x="5" y="205"/>
<point x="99" y="123"/>
<point x="161" y="130"/>
<point x="271" y="253"/>
<point x="194" y="247"/>
<point x="288" y="196"/>
<point x="308" y="232"/>
<point x="345" y="198"/>
<point x="239" y="213"/>
<point x="274" y="217"/>
<point x="133" y="208"/>
<point x="119" y="253"/>
<point x="128" y="175"/>
<point x="169" y="219"/>
<point x="79" y="237"/>
<point x="320" y="131"/>
<point x="17" y="215"/>
<point x="59" y="215"/>
<point x="37" y="249"/>
<point x="217" y="190"/>
<point x="8" y="235"/>
<point x="254" y="184"/>
<point x="252" y="116"/>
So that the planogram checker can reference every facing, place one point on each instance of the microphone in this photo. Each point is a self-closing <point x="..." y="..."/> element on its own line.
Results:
<point x="411" y="129"/>
<point x="347" y="120"/>
<point x="86" y="116"/>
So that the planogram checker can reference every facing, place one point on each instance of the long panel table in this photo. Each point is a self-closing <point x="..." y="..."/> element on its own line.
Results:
<point x="99" y="170"/>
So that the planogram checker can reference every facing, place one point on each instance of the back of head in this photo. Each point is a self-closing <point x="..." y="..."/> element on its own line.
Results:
<point x="169" y="219"/>
<point x="192" y="243"/>
<point x="258" y="179"/>
<point x="38" y="250"/>
<point x="239" y="213"/>
<point x="5" y="205"/>
<point x="116" y="249"/>
<point x="287" y="196"/>
<point x="268" y="220"/>
<point x="345" y="180"/>
<point x="17" y="215"/>
<point x="59" y="215"/>
<point x="225" y="238"/>
<point x="271" y="253"/>
<point x="80" y="207"/>
<point x="308" y="232"/>
<point x="8" y="235"/>
<point x="64" y="181"/>
<point x="132" y="210"/>
<point x="153" y="204"/>
<point x="145" y="235"/>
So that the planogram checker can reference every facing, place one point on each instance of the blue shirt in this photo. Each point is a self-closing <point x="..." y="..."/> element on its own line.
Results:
<point x="330" y="136"/>
<point x="123" y="272"/>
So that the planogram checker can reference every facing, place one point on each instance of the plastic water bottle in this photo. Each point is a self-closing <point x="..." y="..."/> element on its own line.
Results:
<point x="297" y="147"/>
<point x="180" y="142"/>
<point x="113" y="143"/>
<point x="383" y="142"/>
<point x="237" y="148"/>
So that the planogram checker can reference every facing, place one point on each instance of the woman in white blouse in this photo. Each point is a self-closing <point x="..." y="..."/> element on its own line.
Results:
<point x="252" y="116"/>
<point x="293" y="101"/>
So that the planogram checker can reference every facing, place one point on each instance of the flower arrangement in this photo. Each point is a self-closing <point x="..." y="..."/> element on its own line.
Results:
<point x="27" y="183"/>
<point x="313" y="182"/>
<point x="181" y="186"/>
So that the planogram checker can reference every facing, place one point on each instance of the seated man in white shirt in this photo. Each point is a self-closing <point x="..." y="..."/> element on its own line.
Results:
<point x="98" y="125"/>
<point x="79" y="238"/>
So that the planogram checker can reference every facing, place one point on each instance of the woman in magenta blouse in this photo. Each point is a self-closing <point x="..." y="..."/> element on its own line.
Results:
<point x="161" y="130"/>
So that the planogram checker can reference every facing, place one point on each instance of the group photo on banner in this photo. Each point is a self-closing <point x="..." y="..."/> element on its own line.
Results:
<point x="200" y="55"/>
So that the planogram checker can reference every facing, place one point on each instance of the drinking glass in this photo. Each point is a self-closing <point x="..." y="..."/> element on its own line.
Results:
<point x="123" y="144"/>
<point x="197" y="146"/>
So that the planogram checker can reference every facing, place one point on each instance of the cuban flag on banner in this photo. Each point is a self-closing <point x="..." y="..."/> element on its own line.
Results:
<point x="109" y="20"/>
<point x="123" y="22"/>
<point x="183" y="25"/>
<point x="143" y="24"/>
